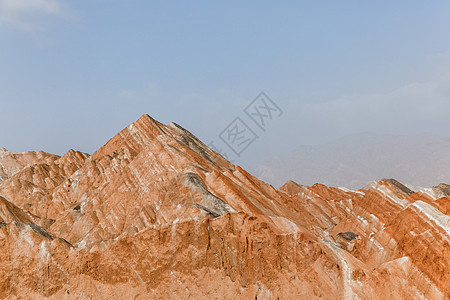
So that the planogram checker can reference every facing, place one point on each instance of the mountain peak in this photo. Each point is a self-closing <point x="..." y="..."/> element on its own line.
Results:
<point x="291" y="187"/>
<point x="133" y="138"/>
<point x="399" y="187"/>
<point x="155" y="213"/>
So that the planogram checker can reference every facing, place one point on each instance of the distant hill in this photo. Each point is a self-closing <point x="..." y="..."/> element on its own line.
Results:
<point x="355" y="160"/>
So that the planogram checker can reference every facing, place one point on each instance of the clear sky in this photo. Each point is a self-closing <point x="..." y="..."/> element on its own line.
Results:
<point x="74" y="73"/>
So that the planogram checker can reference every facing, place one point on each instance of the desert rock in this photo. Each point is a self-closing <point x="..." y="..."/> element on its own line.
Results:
<point x="155" y="213"/>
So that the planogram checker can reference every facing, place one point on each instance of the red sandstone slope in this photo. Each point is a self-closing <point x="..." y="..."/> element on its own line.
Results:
<point x="11" y="162"/>
<point x="156" y="214"/>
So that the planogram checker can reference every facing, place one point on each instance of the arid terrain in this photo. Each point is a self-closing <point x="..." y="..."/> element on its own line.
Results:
<point x="156" y="214"/>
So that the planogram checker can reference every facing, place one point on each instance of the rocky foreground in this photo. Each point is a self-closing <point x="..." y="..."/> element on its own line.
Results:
<point x="155" y="214"/>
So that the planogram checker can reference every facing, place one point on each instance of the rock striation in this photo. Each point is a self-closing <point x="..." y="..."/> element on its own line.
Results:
<point x="155" y="213"/>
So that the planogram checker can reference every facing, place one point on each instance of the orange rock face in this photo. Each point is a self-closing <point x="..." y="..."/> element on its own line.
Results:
<point x="155" y="214"/>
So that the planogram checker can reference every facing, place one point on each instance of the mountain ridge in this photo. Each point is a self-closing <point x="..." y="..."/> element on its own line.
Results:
<point x="155" y="213"/>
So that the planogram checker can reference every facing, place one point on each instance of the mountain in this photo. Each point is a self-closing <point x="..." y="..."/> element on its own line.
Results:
<point x="156" y="214"/>
<point x="11" y="163"/>
<point x="354" y="161"/>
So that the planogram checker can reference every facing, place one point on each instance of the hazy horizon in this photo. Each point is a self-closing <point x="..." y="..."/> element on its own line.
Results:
<point x="356" y="160"/>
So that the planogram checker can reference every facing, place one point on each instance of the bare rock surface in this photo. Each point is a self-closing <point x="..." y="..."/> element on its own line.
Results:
<point x="156" y="214"/>
<point x="12" y="162"/>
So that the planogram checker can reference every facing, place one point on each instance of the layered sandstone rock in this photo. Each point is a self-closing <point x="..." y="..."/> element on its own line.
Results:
<point x="11" y="162"/>
<point x="156" y="214"/>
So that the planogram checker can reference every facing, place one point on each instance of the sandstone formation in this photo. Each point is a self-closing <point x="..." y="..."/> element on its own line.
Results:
<point x="156" y="214"/>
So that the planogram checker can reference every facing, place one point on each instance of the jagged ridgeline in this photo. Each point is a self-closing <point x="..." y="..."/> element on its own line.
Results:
<point x="156" y="214"/>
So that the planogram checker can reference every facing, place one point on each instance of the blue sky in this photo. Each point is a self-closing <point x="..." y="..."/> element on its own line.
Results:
<point x="74" y="73"/>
